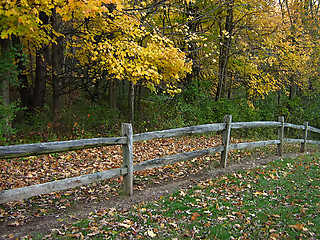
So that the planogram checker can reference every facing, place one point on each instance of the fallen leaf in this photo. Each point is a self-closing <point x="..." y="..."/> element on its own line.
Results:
<point x="14" y="224"/>
<point x="274" y="236"/>
<point x="151" y="233"/>
<point x="260" y="193"/>
<point x="10" y="236"/>
<point x="72" y="235"/>
<point x="182" y="193"/>
<point x="58" y="231"/>
<point x="194" y="216"/>
<point x="217" y="207"/>
<point x="125" y="225"/>
<point x="222" y="218"/>
<point x="299" y="227"/>
<point x="173" y="225"/>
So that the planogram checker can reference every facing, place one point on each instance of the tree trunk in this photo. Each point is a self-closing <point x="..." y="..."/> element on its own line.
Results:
<point x="131" y="103"/>
<point x="40" y="79"/>
<point x="42" y="57"/>
<point x="230" y="89"/>
<point x="192" y="10"/>
<point x="113" y="94"/>
<point x="24" y="88"/>
<point x="139" y="89"/>
<point x="293" y="91"/>
<point x="56" y="66"/>
<point x="279" y="97"/>
<point x="6" y="73"/>
<point x="5" y="55"/>
<point x="225" y="45"/>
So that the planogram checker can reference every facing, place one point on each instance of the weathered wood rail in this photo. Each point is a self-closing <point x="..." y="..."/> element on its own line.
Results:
<point x="128" y="138"/>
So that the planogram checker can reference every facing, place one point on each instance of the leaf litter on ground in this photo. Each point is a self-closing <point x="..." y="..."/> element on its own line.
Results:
<point x="26" y="171"/>
<point x="277" y="201"/>
<point x="20" y="172"/>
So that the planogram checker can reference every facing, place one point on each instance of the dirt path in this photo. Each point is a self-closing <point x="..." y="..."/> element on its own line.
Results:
<point x="59" y="218"/>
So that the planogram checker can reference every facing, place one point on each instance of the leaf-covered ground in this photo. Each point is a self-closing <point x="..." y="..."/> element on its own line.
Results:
<point x="16" y="217"/>
<point x="278" y="201"/>
<point x="20" y="172"/>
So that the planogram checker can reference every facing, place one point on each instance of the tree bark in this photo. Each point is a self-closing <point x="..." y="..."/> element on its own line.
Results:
<point x="293" y="91"/>
<point x="131" y="103"/>
<point x="5" y="55"/>
<point x="139" y="89"/>
<point x="42" y="56"/>
<point x="5" y="81"/>
<point x="225" y="45"/>
<point x="40" y="79"/>
<point x="24" y="87"/>
<point x="56" y="66"/>
<point x="113" y="94"/>
<point x="192" y="10"/>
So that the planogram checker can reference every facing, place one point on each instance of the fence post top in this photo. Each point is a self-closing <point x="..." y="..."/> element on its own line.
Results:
<point x="125" y="124"/>
<point x="126" y="130"/>
<point x="227" y="118"/>
<point x="281" y="118"/>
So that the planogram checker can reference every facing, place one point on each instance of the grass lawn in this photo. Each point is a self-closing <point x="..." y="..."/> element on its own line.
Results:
<point x="278" y="201"/>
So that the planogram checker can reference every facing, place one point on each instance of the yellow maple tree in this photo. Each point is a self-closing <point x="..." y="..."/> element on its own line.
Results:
<point x="117" y="45"/>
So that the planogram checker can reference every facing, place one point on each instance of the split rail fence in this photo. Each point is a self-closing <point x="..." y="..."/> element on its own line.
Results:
<point x="128" y="138"/>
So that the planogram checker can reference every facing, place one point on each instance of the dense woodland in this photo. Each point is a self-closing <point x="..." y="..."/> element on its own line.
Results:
<point x="79" y="68"/>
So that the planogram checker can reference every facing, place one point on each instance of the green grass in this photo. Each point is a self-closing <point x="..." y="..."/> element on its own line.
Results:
<point x="278" y="201"/>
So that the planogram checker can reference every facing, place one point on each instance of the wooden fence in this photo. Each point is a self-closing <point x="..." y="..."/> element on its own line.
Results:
<point x="128" y="138"/>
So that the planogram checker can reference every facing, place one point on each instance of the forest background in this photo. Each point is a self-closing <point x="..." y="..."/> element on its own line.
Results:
<point x="79" y="68"/>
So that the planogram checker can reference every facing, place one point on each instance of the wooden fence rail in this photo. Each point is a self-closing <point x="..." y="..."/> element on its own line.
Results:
<point x="128" y="138"/>
<point x="34" y="149"/>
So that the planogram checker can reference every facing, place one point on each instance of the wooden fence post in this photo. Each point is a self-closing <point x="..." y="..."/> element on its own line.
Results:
<point x="281" y="136"/>
<point x="305" y="136"/>
<point x="226" y="140"/>
<point x="127" y="153"/>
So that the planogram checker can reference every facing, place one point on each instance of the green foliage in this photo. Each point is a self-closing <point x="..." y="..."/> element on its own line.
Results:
<point x="8" y="76"/>
<point x="193" y="106"/>
<point x="92" y="120"/>
<point x="7" y="114"/>
<point x="81" y="120"/>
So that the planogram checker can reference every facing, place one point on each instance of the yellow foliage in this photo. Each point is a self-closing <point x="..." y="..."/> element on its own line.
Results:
<point x="153" y="61"/>
<point x="125" y="50"/>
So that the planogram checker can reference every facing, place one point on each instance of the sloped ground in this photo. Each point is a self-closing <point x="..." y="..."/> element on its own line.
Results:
<point x="41" y="214"/>
<point x="279" y="200"/>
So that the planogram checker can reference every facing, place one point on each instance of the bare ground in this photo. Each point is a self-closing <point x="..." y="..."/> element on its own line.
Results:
<point x="58" y="218"/>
